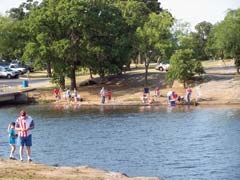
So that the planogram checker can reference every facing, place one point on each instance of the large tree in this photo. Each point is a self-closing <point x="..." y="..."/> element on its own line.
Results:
<point x="200" y="38"/>
<point x="13" y="37"/>
<point x="79" y="33"/>
<point x="135" y="14"/>
<point x="154" y="38"/>
<point x="227" y="36"/>
<point x="44" y="30"/>
<point x="180" y="35"/>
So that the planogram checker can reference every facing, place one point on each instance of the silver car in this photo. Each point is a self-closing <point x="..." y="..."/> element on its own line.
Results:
<point x="162" y="67"/>
<point x="18" y="68"/>
<point x="8" y="73"/>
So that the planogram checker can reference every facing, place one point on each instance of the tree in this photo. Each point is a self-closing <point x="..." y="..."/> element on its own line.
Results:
<point x="14" y="34"/>
<point x="200" y="38"/>
<point x="107" y="38"/>
<point x="13" y="37"/>
<point x="44" y="30"/>
<point x="79" y="33"/>
<point x="153" y="6"/>
<point x="22" y="12"/>
<point x="6" y="37"/>
<point x="180" y="35"/>
<point x="183" y="67"/>
<point x="154" y="37"/>
<point x="225" y="37"/>
<point x="232" y="35"/>
<point x="135" y="14"/>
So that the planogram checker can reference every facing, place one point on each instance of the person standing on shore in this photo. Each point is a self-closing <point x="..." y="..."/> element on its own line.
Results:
<point x="12" y="139"/>
<point x="57" y="94"/>
<point x="68" y="94"/>
<point x="188" y="95"/>
<point x="109" y="95"/>
<point x="75" y="95"/>
<point x="103" y="95"/>
<point x="24" y="125"/>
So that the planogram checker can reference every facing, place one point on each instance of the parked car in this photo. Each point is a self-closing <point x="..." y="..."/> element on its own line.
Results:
<point x="20" y="69"/>
<point x="162" y="66"/>
<point x="8" y="73"/>
<point x="28" y="67"/>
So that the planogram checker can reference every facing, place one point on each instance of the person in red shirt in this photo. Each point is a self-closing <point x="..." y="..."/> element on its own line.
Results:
<point x="109" y="95"/>
<point x="56" y="92"/>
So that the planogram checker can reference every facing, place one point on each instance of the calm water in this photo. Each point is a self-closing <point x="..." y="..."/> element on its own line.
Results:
<point x="178" y="143"/>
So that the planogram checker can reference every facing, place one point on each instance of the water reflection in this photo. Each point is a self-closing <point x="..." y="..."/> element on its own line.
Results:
<point x="171" y="142"/>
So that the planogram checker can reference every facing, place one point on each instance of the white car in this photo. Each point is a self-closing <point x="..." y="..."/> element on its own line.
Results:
<point x="15" y="67"/>
<point x="162" y="67"/>
<point x="8" y="73"/>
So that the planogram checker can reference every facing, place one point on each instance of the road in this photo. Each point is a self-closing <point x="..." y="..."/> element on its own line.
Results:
<point x="32" y="82"/>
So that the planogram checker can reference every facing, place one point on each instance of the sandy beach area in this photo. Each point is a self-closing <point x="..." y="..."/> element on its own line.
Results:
<point x="218" y="86"/>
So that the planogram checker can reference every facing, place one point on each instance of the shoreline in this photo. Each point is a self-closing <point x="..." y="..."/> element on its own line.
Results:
<point x="35" y="171"/>
<point x="193" y="104"/>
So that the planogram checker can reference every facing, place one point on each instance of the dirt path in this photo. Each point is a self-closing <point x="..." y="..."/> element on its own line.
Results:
<point x="221" y="86"/>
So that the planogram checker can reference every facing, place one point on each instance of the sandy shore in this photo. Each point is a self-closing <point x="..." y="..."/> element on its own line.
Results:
<point x="13" y="169"/>
<point x="220" y="85"/>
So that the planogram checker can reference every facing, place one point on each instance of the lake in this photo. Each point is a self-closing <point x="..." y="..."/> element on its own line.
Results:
<point x="175" y="143"/>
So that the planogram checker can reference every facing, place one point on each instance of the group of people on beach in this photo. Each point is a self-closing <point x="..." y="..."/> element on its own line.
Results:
<point x="146" y="98"/>
<point x="105" y="94"/>
<point x="75" y="96"/>
<point x="20" y="134"/>
<point x="172" y="96"/>
<point x="69" y="96"/>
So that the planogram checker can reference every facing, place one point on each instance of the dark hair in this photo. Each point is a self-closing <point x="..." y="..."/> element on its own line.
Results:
<point x="12" y="123"/>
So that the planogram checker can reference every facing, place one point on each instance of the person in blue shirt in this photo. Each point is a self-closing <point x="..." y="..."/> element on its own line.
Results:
<point x="12" y="139"/>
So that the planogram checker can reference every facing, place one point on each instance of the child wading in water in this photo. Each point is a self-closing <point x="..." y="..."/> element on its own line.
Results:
<point x="12" y="139"/>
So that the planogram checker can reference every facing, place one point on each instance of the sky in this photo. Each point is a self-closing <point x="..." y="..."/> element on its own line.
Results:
<point x="196" y="11"/>
<point x="191" y="11"/>
<point x="8" y="4"/>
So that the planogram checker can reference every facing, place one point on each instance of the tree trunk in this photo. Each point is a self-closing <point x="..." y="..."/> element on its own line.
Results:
<point x="62" y="82"/>
<point x="146" y="71"/>
<point x="128" y="68"/>
<point x="49" y="71"/>
<point x="139" y="59"/>
<point x="237" y="63"/>
<point x="73" y="76"/>
<point x="90" y="71"/>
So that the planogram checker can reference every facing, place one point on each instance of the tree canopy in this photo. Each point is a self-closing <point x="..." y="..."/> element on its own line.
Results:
<point x="106" y="35"/>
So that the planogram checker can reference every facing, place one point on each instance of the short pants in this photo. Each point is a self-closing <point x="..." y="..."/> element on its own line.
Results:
<point x="25" y="141"/>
